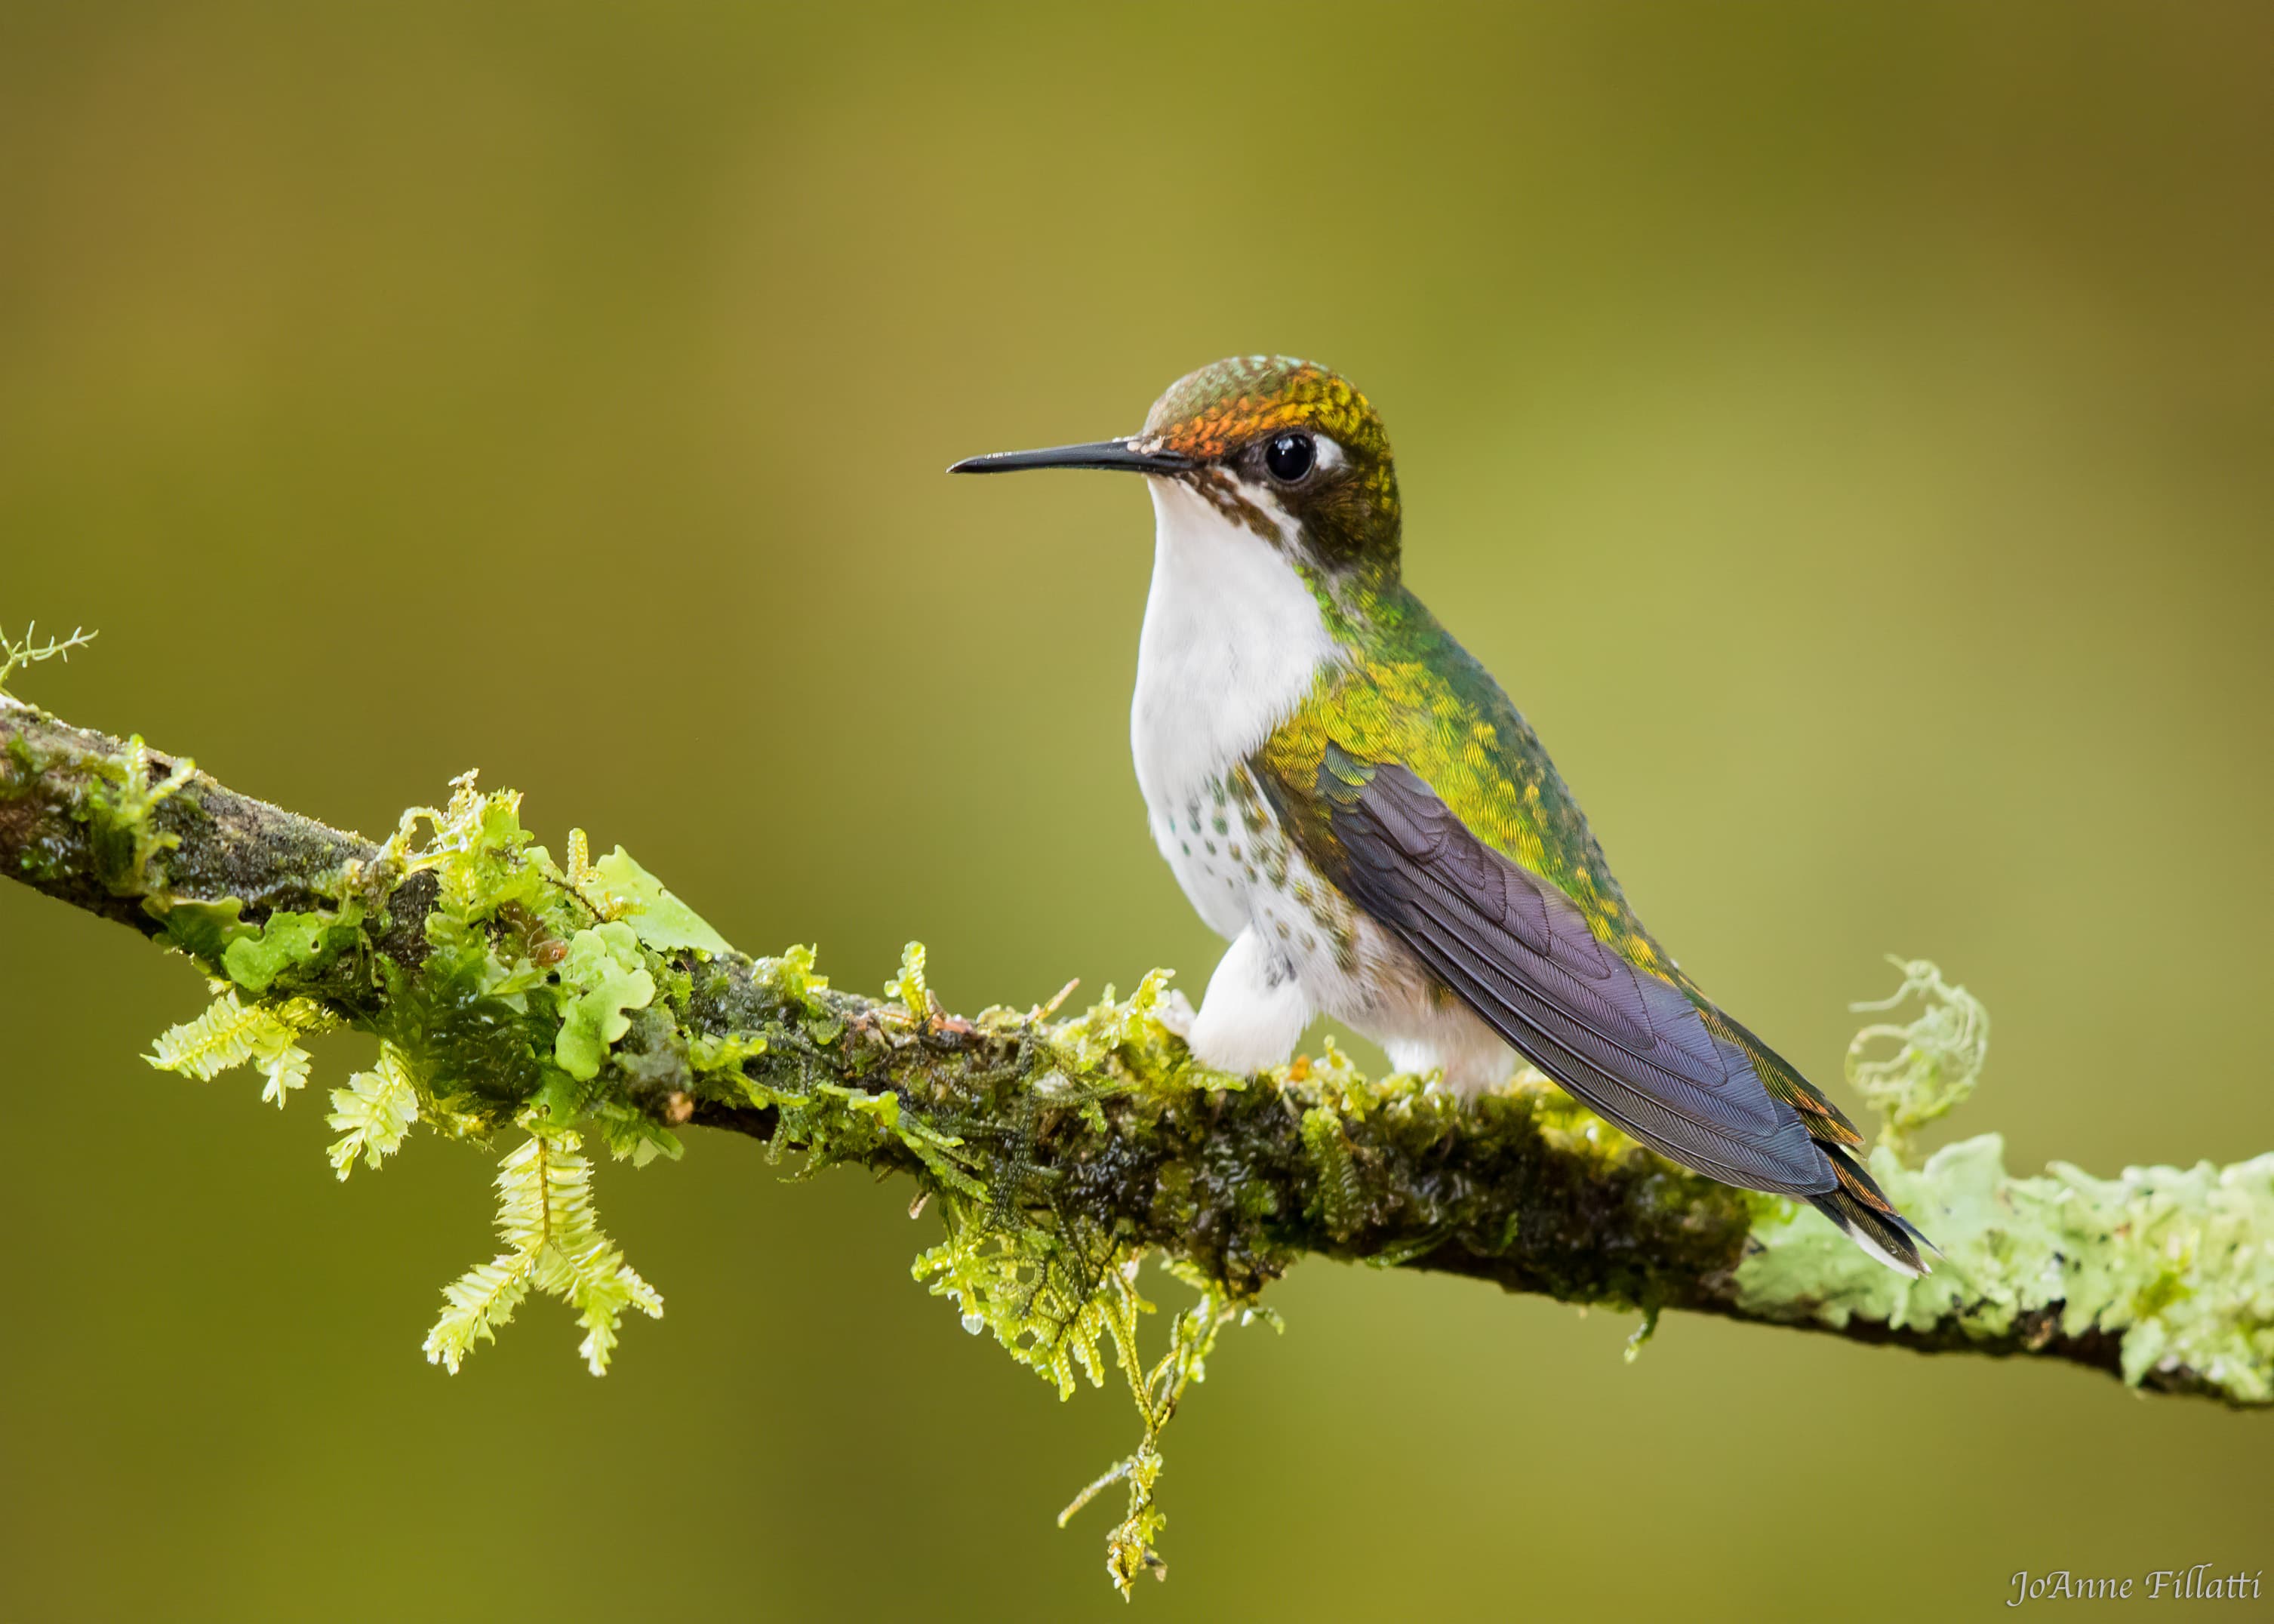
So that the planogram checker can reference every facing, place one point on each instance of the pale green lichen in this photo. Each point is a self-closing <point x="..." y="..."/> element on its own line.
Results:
<point x="17" y="653"/>
<point x="1937" y="1058"/>
<point x="2177" y="1264"/>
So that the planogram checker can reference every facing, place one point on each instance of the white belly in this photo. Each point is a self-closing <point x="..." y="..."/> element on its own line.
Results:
<point x="1233" y="643"/>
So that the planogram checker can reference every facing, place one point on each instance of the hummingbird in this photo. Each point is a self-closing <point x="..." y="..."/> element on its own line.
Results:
<point x="1346" y="795"/>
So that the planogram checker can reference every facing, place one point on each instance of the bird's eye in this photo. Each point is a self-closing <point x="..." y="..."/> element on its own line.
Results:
<point x="1290" y="456"/>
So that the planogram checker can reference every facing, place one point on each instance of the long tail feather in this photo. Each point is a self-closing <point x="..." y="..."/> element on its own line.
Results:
<point x="1865" y="1216"/>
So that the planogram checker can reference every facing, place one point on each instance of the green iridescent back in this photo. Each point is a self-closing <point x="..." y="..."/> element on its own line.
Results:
<point x="1411" y="694"/>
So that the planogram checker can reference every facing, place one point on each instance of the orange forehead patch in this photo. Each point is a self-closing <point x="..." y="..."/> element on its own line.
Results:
<point x="1219" y="407"/>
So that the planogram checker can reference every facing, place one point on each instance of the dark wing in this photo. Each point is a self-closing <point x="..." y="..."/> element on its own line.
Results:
<point x="1628" y="1043"/>
<point x="1519" y="952"/>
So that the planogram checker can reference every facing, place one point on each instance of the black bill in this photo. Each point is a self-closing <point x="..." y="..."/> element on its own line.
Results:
<point x="1113" y="453"/>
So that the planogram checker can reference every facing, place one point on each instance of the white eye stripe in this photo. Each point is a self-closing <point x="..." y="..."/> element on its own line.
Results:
<point x="1329" y="456"/>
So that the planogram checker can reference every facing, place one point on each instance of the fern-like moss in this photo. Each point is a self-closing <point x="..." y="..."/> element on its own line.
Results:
<point x="374" y="1113"/>
<point x="553" y="1245"/>
<point x="233" y="1033"/>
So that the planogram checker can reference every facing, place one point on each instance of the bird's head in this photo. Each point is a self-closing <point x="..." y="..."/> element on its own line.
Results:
<point x="1284" y="448"/>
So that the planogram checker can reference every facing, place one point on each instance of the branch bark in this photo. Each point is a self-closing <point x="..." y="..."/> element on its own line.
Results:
<point x="1100" y="1125"/>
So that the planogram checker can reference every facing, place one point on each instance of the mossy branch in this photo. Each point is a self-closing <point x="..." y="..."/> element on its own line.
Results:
<point x="510" y="991"/>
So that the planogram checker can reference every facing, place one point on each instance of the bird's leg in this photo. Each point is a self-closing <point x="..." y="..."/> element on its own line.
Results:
<point x="1255" y="1011"/>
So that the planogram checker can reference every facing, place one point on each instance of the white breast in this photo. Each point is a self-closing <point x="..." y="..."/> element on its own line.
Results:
<point x="1233" y="641"/>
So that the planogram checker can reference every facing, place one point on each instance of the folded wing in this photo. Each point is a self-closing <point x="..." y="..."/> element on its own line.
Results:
<point x="1668" y="1067"/>
<point x="1519" y="952"/>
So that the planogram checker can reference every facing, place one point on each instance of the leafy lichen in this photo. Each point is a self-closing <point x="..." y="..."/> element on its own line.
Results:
<point x="1937" y="1058"/>
<point x="2173" y="1261"/>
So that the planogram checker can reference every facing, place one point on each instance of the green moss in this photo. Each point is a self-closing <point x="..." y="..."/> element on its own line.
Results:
<point x="206" y="930"/>
<point x="603" y="978"/>
<point x="620" y="889"/>
<point x="908" y="986"/>
<point x="116" y="809"/>
<point x="1342" y="1201"/>
<point x="26" y="766"/>
<point x="517" y="1008"/>
<point x="289" y="944"/>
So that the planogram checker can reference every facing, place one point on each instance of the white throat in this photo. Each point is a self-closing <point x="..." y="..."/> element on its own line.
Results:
<point x="1234" y="639"/>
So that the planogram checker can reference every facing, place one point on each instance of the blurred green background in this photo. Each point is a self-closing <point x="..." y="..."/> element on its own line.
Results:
<point x="564" y="389"/>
